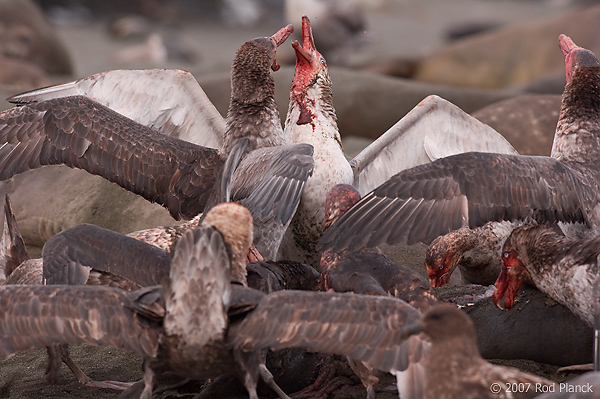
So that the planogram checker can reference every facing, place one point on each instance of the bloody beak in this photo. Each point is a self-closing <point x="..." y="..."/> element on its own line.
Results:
<point x="501" y="285"/>
<point x="575" y="55"/>
<point x="438" y="281"/>
<point x="508" y="283"/>
<point x="304" y="52"/>
<point x="278" y="39"/>
<point x="567" y="46"/>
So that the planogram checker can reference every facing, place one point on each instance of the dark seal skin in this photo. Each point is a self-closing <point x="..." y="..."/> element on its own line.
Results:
<point x="527" y="121"/>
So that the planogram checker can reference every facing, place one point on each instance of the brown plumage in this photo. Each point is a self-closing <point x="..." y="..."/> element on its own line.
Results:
<point x="81" y="133"/>
<point x="91" y="255"/>
<point x="209" y="342"/>
<point x="96" y="313"/>
<point x="165" y="237"/>
<point x="471" y="189"/>
<point x="454" y="367"/>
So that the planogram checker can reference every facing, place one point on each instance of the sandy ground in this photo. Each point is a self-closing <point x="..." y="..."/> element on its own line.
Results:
<point x="406" y="28"/>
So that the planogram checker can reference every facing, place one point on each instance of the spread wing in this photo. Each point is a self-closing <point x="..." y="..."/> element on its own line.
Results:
<point x="434" y="129"/>
<point x="276" y="182"/>
<point x="70" y="255"/>
<point x="472" y="188"/>
<point x="169" y="100"/>
<point x="32" y="316"/>
<point x="270" y="185"/>
<point x="363" y="327"/>
<point x="82" y="133"/>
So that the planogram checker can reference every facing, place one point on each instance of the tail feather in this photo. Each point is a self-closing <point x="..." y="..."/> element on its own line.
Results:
<point x="12" y="246"/>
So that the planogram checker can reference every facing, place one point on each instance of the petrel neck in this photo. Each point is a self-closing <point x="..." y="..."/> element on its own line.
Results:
<point x="577" y="135"/>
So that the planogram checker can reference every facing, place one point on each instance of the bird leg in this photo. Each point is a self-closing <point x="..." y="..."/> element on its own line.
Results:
<point x="54" y="361"/>
<point x="148" y="380"/>
<point x="366" y="374"/>
<point x="63" y="352"/>
<point x="267" y="377"/>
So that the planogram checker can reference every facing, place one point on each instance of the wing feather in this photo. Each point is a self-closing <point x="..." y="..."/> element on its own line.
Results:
<point x="32" y="316"/>
<point x="434" y="129"/>
<point x="81" y="133"/>
<point x="70" y="255"/>
<point x="270" y="185"/>
<point x="274" y="186"/>
<point x="363" y="327"/>
<point x="168" y="100"/>
<point x="12" y="247"/>
<point x="465" y="189"/>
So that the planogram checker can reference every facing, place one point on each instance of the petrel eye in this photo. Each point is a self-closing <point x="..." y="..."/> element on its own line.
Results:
<point x="505" y="255"/>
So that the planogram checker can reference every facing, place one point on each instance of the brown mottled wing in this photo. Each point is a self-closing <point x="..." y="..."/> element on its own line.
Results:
<point x="70" y="255"/>
<point x="272" y="180"/>
<point x="472" y="188"/>
<point x="363" y="327"/>
<point x="32" y="316"/>
<point x="199" y="288"/>
<point x="81" y="133"/>
<point x="28" y="272"/>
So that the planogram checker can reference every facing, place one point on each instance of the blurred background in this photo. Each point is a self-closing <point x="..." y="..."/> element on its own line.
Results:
<point x="384" y="55"/>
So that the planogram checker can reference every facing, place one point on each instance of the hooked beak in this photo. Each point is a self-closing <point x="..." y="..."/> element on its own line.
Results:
<point x="508" y="283"/>
<point x="566" y="44"/>
<point x="305" y="51"/>
<point x="438" y="281"/>
<point x="278" y="39"/>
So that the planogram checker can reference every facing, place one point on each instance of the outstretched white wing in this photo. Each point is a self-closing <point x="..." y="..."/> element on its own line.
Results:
<point x="169" y="100"/>
<point x="434" y="129"/>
